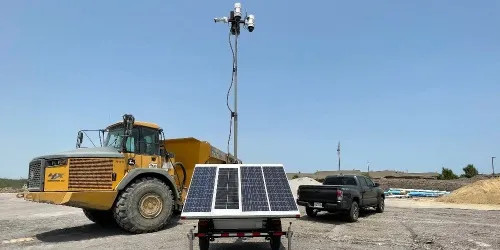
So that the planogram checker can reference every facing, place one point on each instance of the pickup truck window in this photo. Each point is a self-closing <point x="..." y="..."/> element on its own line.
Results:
<point x="370" y="182"/>
<point x="362" y="181"/>
<point x="340" y="180"/>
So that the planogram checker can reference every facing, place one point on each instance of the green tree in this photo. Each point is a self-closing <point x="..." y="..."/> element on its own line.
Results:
<point x="447" y="174"/>
<point x="295" y="176"/>
<point x="470" y="171"/>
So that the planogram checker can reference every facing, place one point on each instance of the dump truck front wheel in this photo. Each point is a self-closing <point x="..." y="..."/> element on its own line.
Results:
<point x="101" y="217"/>
<point x="144" y="206"/>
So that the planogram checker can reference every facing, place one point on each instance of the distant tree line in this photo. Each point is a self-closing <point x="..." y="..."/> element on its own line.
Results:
<point x="469" y="172"/>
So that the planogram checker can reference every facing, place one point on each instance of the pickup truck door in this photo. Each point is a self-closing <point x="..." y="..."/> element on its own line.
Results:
<point x="372" y="191"/>
<point x="368" y="192"/>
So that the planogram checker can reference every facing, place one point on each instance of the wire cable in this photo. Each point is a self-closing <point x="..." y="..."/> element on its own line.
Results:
<point x="233" y="70"/>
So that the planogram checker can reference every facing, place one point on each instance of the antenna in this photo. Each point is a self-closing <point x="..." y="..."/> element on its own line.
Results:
<point x="235" y="20"/>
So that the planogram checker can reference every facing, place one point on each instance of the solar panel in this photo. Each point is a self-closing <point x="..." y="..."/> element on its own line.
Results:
<point x="239" y="191"/>
<point x="227" y="196"/>
<point x="278" y="189"/>
<point x="253" y="190"/>
<point x="201" y="190"/>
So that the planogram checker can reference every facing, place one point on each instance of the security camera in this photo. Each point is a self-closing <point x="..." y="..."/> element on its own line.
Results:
<point x="250" y="22"/>
<point x="237" y="11"/>
<point x="221" y="19"/>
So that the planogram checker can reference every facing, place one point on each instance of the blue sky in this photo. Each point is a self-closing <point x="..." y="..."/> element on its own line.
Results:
<point x="406" y="85"/>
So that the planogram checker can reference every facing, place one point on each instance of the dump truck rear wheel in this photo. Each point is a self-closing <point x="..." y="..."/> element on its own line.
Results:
<point x="101" y="217"/>
<point x="144" y="206"/>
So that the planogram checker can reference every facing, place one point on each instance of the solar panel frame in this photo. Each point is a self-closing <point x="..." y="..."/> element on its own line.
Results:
<point x="237" y="213"/>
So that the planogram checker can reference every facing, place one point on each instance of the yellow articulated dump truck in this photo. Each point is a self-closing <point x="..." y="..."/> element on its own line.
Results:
<point x="136" y="179"/>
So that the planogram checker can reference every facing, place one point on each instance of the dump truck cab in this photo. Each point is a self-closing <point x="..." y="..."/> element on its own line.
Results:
<point x="135" y="179"/>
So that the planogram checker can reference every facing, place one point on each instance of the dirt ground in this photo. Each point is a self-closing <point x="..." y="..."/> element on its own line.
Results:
<point x="406" y="224"/>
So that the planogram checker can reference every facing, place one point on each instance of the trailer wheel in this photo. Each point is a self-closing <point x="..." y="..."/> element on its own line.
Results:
<point x="100" y="217"/>
<point x="311" y="212"/>
<point x="144" y="206"/>
<point x="275" y="242"/>
<point x="204" y="243"/>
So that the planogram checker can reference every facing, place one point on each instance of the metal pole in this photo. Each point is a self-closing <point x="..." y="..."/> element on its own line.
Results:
<point x="190" y="236"/>
<point x="492" y="165"/>
<point x="338" y="153"/>
<point x="289" y="236"/>
<point x="236" y="97"/>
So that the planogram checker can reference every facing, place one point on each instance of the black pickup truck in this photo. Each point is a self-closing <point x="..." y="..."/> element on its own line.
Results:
<point x="345" y="193"/>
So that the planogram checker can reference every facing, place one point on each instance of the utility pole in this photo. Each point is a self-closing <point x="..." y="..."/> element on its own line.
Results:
<point x="235" y="20"/>
<point x="338" y="153"/>
<point x="492" y="165"/>
<point x="368" y="165"/>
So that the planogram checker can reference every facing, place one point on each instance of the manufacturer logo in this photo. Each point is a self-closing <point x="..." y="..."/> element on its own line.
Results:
<point x="131" y="162"/>
<point x="55" y="176"/>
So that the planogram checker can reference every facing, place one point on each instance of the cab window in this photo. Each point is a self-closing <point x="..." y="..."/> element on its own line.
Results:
<point x="362" y="181"/>
<point x="369" y="182"/>
<point x="149" y="143"/>
<point x="131" y="144"/>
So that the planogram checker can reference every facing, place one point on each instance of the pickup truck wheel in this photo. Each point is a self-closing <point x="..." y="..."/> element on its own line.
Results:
<point x="381" y="205"/>
<point x="275" y="242"/>
<point x="144" y="206"/>
<point x="353" y="214"/>
<point x="311" y="212"/>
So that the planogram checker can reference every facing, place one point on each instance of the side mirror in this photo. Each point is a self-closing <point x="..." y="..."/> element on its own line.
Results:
<point x="79" y="139"/>
<point x="376" y="184"/>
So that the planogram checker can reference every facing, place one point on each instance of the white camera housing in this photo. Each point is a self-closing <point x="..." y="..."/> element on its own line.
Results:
<point x="237" y="11"/>
<point x="250" y="22"/>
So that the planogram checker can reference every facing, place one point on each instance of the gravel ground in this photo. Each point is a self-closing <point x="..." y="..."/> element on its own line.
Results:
<point x="402" y="226"/>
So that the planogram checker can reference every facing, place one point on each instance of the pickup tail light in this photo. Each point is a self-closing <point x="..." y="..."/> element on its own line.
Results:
<point x="340" y="195"/>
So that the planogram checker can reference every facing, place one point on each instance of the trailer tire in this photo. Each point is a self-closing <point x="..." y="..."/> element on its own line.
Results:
<point x="100" y="217"/>
<point x="204" y="243"/>
<point x="144" y="206"/>
<point x="275" y="242"/>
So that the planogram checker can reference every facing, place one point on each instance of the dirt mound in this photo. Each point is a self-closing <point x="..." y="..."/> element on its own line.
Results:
<point x="479" y="192"/>
<point x="295" y="183"/>
<point x="446" y="185"/>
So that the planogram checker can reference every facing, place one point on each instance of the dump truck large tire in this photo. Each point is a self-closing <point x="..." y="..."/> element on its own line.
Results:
<point x="144" y="206"/>
<point x="101" y="217"/>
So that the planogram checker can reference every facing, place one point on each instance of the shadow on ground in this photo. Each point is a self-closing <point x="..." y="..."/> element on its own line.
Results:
<point x="241" y="244"/>
<point x="336" y="218"/>
<point x="87" y="232"/>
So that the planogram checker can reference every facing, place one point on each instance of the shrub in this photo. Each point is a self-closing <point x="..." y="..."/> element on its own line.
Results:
<point x="295" y="176"/>
<point x="447" y="174"/>
<point x="470" y="171"/>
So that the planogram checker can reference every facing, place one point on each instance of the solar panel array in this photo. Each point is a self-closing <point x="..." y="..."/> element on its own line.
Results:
<point x="227" y="189"/>
<point x="253" y="190"/>
<point x="201" y="190"/>
<point x="278" y="190"/>
<point x="241" y="191"/>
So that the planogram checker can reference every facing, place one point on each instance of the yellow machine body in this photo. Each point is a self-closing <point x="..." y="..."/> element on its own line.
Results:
<point x="95" y="182"/>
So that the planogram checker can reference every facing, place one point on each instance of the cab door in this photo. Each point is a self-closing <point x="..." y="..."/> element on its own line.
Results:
<point x="149" y="148"/>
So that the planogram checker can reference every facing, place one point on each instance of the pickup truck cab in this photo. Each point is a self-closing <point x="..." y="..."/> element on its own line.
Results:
<point x="344" y="193"/>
